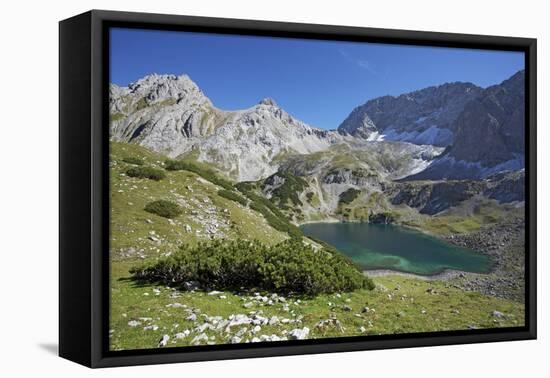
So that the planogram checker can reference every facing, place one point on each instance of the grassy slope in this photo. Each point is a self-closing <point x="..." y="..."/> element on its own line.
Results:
<point x="395" y="310"/>
<point x="471" y="215"/>
<point x="131" y="225"/>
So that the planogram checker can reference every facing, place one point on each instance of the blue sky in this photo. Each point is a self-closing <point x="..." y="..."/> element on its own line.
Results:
<point x="319" y="82"/>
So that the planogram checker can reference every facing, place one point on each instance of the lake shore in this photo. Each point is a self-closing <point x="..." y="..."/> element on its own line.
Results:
<point x="327" y="220"/>
<point x="503" y="243"/>
<point x="447" y="274"/>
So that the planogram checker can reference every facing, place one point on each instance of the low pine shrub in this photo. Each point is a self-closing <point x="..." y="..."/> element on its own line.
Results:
<point x="274" y="217"/>
<point x="287" y="193"/>
<point x="133" y="160"/>
<point x="164" y="208"/>
<point x="290" y="266"/>
<point x="146" y="172"/>
<point x="231" y="195"/>
<point x="207" y="174"/>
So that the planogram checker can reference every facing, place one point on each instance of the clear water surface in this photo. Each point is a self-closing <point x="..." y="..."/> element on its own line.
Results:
<point x="375" y="246"/>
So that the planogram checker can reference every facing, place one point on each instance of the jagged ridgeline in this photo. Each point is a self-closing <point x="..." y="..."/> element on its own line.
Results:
<point x="481" y="130"/>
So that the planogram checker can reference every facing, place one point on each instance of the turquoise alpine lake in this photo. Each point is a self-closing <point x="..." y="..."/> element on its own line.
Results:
<point x="377" y="246"/>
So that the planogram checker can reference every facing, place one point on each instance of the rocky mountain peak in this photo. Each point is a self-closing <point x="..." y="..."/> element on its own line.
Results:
<point x="155" y="79"/>
<point x="169" y="114"/>
<point x="155" y="87"/>
<point x="267" y="101"/>
<point x="516" y="83"/>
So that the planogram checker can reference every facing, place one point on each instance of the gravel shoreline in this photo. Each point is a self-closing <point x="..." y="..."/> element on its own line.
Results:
<point x="505" y="245"/>
<point x="447" y="274"/>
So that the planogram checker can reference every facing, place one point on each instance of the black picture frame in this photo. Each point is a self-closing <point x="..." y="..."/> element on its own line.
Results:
<point x="83" y="180"/>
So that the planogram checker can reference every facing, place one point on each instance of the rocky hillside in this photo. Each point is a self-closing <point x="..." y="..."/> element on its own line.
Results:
<point x="169" y="114"/>
<point x="162" y="112"/>
<point x="425" y="116"/>
<point x="206" y="209"/>
<point x="434" y="197"/>
<point x="483" y="129"/>
<point x="490" y="135"/>
<point x="324" y="177"/>
<point x="496" y="121"/>
<point x="357" y="194"/>
<point x="252" y="142"/>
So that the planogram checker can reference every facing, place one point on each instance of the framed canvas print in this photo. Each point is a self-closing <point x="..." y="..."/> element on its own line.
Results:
<point x="234" y="188"/>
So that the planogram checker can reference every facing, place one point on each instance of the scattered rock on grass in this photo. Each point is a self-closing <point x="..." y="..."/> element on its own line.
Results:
<point x="163" y="341"/>
<point x="299" y="333"/>
<point x="199" y="338"/>
<point x="182" y="335"/>
<point x="235" y="340"/>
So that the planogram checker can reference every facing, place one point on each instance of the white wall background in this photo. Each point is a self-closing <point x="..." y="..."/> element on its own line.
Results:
<point x="29" y="189"/>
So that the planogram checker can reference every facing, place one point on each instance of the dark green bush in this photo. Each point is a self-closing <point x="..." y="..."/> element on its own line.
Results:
<point x="166" y="209"/>
<point x="207" y="174"/>
<point x="146" y="172"/>
<point x="133" y="160"/>
<point x="259" y="200"/>
<point x="290" y="266"/>
<point x="245" y="186"/>
<point x="349" y="195"/>
<point x="177" y="165"/>
<point x="335" y="251"/>
<point x="231" y="195"/>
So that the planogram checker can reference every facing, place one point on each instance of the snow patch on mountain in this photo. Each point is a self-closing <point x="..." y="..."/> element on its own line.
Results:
<point x="433" y="135"/>
<point x="447" y="167"/>
<point x="425" y="116"/>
